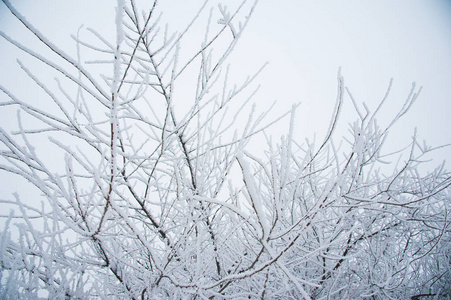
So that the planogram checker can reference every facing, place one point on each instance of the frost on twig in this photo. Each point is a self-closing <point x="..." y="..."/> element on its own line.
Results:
<point x="139" y="180"/>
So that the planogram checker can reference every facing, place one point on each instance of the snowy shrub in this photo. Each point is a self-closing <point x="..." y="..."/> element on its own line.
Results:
<point x="138" y="182"/>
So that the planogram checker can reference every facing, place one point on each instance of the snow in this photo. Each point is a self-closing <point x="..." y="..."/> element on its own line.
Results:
<point x="254" y="196"/>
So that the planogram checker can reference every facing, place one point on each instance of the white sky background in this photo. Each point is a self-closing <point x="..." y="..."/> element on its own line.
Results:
<point x="305" y="43"/>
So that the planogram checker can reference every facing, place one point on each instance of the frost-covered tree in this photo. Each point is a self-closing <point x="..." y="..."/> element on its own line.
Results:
<point x="141" y="183"/>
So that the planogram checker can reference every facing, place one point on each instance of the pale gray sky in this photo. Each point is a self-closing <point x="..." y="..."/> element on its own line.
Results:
<point x="372" y="41"/>
<point x="305" y="43"/>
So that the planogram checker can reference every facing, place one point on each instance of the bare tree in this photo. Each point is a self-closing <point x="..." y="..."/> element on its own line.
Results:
<point x="147" y="189"/>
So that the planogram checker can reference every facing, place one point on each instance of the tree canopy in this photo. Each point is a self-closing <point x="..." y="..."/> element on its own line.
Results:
<point x="142" y="184"/>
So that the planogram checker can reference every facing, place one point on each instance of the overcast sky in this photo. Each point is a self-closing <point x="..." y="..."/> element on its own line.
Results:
<point x="305" y="43"/>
